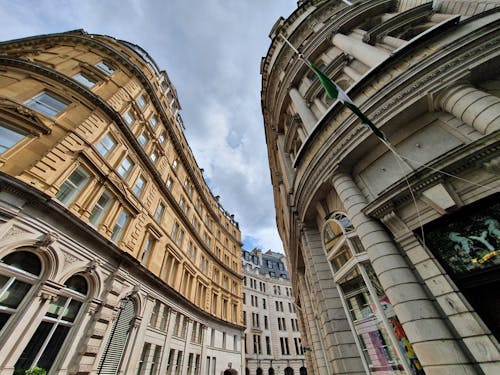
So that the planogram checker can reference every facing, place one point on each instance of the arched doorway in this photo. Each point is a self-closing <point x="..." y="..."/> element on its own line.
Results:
<point x="247" y="371"/>
<point x="303" y="371"/>
<point x="271" y="371"/>
<point x="259" y="371"/>
<point x="288" y="371"/>
<point x="231" y="371"/>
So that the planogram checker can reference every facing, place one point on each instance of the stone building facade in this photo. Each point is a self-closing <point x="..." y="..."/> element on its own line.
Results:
<point x="115" y="257"/>
<point x="273" y="345"/>
<point x="394" y="261"/>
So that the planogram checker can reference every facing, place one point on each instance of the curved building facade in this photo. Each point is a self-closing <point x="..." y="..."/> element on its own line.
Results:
<point x="273" y="345"/>
<point x="115" y="257"/>
<point x="393" y="260"/>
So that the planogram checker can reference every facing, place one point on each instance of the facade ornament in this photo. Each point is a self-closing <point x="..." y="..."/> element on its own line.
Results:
<point x="47" y="240"/>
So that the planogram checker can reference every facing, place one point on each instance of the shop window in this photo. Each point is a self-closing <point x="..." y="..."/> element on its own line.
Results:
<point x="47" y="103"/>
<point x="49" y="337"/>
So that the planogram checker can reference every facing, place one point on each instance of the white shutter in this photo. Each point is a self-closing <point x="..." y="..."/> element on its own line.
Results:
<point x="111" y="359"/>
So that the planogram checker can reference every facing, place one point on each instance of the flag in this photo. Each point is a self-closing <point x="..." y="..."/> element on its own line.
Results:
<point x="334" y="91"/>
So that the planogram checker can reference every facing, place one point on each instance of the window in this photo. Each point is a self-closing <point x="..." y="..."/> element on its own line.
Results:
<point x="175" y="163"/>
<point x="100" y="208"/>
<point x="141" y="101"/>
<point x="84" y="79"/>
<point x="9" y="136"/>
<point x="106" y="67"/>
<point x="153" y="121"/>
<point x="125" y="167"/>
<point x="154" y="156"/>
<point x="129" y="118"/>
<point x="159" y="212"/>
<point x="139" y="186"/>
<point x="106" y="145"/>
<point x="23" y="268"/>
<point x="161" y="139"/>
<point x="168" y="183"/>
<point x="147" y="248"/>
<point x="50" y="335"/>
<point x="72" y="186"/>
<point x="155" y="313"/>
<point x="120" y="225"/>
<point x="47" y="103"/>
<point x="143" y="139"/>
<point x="268" y="345"/>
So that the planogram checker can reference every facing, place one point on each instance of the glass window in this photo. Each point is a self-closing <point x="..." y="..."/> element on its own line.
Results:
<point x="120" y="225"/>
<point x="146" y="249"/>
<point x="106" y="67"/>
<point x="161" y="138"/>
<point x="50" y="335"/>
<point x="9" y="136"/>
<point x="139" y="186"/>
<point x="129" y="118"/>
<point x="153" y="121"/>
<point x="85" y="80"/>
<point x="141" y="101"/>
<point x="159" y="212"/>
<point x="72" y="186"/>
<point x="23" y="268"/>
<point x="100" y="208"/>
<point x="168" y="183"/>
<point x="106" y="145"/>
<point x="154" y="156"/>
<point x="125" y="167"/>
<point x="143" y="139"/>
<point x="47" y="103"/>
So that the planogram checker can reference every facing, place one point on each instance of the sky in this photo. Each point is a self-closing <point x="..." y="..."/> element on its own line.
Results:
<point x="211" y="50"/>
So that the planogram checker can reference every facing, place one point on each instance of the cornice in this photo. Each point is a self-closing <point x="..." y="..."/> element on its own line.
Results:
<point x="126" y="131"/>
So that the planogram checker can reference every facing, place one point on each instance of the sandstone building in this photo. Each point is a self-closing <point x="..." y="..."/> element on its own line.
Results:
<point x="115" y="257"/>
<point x="273" y="345"/>
<point x="395" y="268"/>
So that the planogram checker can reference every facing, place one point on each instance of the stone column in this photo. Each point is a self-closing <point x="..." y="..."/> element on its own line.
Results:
<point x="305" y="113"/>
<point x="436" y="349"/>
<point x="367" y="54"/>
<point x="475" y="107"/>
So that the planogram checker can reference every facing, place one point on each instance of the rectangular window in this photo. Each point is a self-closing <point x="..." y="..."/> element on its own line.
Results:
<point x="120" y="225"/>
<point x="106" y="67"/>
<point x="72" y="186"/>
<point x="154" y="156"/>
<point x="100" y="208"/>
<point x="106" y="145"/>
<point x="143" y="139"/>
<point x="155" y="313"/>
<point x="141" y="101"/>
<point x="9" y="136"/>
<point x="129" y="118"/>
<point x="153" y="121"/>
<point x="85" y="80"/>
<point x="268" y="345"/>
<point x="159" y="212"/>
<point x="161" y="139"/>
<point x="125" y="167"/>
<point x="168" y="183"/>
<point x="146" y="249"/>
<point x="47" y="103"/>
<point x="139" y="186"/>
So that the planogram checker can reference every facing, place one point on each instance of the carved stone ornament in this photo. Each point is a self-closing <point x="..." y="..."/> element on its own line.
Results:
<point x="14" y="231"/>
<point x="68" y="258"/>
<point x="47" y="239"/>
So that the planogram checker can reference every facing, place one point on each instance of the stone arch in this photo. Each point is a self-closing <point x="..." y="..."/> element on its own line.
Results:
<point x="50" y="257"/>
<point x="88" y="271"/>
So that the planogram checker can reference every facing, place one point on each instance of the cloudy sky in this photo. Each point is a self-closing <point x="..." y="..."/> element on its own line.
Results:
<point x="211" y="50"/>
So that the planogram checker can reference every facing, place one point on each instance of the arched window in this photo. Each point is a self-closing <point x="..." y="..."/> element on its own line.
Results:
<point x="18" y="272"/>
<point x="247" y="371"/>
<point x="288" y="371"/>
<point x="50" y="335"/>
<point x="271" y="371"/>
<point x="259" y="371"/>
<point x="118" y="337"/>
<point x="303" y="371"/>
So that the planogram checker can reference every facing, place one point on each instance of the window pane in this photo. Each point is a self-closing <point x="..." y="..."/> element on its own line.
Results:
<point x="105" y="67"/>
<point x="84" y="80"/>
<point x="129" y="118"/>
<point x="139" y="185"/>
<point x="141" y="102"/>
<point x="125" y="167"/>
<point x="106" y="145"/>
<point x="9" y="136"/>
<point x="56" y="307"/>
<point x="153" y="121"/>
<point x="25" y="261"/>
<point x="78" y="284"/>
<point x="100" y="208"/>
<point x="48" y="104"/>
<point x="50" y="353"/>
<point x="28" y="355"/>
<point x="71" y="311"/>
<point x="143" y="139"/>
<point x="119" y="226"/>
<point x="72" y="186"/>
<point x="4" y="317"/>
<point x="13" y="296"/>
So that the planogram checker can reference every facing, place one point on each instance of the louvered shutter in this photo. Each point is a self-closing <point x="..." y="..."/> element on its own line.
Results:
<point x="112" y="356"/>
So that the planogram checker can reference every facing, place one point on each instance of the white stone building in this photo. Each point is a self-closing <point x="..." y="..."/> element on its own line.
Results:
<point x="272" y="339"/>
<point x="393" y="261"/>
